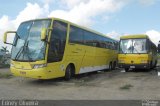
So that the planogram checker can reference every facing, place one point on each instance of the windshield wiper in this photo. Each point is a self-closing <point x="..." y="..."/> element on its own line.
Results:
<point x="19" y="52"/>
<point x="22" y="49"/>
<point x="25" y="60"/>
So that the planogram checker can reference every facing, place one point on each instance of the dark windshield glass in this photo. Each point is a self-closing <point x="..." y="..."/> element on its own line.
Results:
<point x="27" y="44"/>
<point x="133" y="46"/>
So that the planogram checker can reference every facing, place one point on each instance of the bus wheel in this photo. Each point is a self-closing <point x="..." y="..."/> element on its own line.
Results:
<point x="126" y="69"/>
<point x="114" y="66"/>
<point x="68" y="73"/>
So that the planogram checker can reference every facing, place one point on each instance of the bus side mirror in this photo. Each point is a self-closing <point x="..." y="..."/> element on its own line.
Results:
<point x="43" y="34"/>
<point x="5" y="36"/>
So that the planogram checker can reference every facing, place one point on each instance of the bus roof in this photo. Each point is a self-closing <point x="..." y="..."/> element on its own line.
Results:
<point x="134" y="36"/>
<point x="85" y="28"/>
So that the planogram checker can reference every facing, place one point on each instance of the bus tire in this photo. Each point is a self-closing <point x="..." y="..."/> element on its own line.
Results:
<point x="68" y="73"/>
<point x="127" y="69"/>
<point x="114" y="66"/>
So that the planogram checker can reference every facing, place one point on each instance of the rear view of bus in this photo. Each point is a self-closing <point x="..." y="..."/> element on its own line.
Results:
<point x="137" y="52"/>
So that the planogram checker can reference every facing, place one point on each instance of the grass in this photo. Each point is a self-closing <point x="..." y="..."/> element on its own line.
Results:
<point x="126" y="87"/>
<point x="5" y="75"/>
<point x="4" y="65"/>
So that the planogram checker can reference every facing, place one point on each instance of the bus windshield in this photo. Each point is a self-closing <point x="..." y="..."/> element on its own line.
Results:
<point x="129" y="46"/>
<point x="27" y="45"/>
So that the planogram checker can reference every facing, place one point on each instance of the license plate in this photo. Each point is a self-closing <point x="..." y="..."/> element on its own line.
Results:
<point x="22" y="72"/>
<point x="132" y="66"/>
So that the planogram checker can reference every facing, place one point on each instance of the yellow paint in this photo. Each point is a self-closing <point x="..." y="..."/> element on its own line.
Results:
<point x="134" y="36"/>
<point x="138" y="59"/>
<point x="80" y="56"/>
<point x="133" y="58"/>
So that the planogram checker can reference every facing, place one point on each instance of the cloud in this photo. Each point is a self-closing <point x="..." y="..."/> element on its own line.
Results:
<point x="6" y="24"/>
<point x="72" y="3"/>
<point x="78" y="11"/>
<point x="31" y="11"/>
<point x="154" y="36"/>
<point x="114" y="35"/>
<point x="83" y="11"/>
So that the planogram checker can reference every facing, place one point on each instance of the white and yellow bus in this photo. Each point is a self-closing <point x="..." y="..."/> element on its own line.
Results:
<point x="137" y="52"/>
<point x="51" y="48"/>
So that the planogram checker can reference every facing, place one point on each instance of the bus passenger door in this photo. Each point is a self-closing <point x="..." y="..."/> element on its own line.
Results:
<point x="56" y="49"/>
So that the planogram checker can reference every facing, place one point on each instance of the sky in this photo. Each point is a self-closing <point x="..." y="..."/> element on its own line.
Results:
<point x="113" y="18"/>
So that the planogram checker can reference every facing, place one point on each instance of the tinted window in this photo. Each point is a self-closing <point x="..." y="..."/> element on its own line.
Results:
<point x="57" y="42"/>
<point x="89" y="38"/>
<point x="76" y="35"/>
<point x="103" y="43"/>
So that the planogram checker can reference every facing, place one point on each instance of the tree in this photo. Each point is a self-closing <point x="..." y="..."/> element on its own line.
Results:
<point x="4" y="49"/>
<point x="3" y="54"/>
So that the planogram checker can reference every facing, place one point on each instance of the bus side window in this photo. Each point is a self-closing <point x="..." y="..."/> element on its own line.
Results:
<point x="89" y="38"/>
<point x="76" y="35"/>
<point x="57" y="42"/>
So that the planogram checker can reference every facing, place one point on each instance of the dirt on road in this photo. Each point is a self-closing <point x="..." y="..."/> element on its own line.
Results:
<point x="108" y="85"/>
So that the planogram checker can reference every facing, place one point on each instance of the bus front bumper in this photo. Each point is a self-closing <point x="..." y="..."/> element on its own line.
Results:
<point x="33" y="73"/>
<point x="134" y="66"/>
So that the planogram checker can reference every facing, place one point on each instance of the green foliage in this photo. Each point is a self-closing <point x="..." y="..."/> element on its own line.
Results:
<point x="159" y="56"/>
<point x="0" y="58"/>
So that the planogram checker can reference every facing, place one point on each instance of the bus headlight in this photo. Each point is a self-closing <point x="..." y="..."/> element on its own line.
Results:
<point x="144" y="61"/>
<point x="121" y="61"/>
<point x="39" y="66"/>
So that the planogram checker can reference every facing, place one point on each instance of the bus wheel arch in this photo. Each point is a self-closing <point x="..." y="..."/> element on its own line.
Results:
<point x="70" y="71"/>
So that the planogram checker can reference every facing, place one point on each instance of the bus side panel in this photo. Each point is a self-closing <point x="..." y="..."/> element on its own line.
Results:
<point x="112" y="56"/>
<point x="101" y="58"/>
<point x="87" y="64"/>
<point x="75" y="54"/>
<point x="56" y="69"/>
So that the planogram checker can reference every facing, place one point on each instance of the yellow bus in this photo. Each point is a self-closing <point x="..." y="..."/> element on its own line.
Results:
<point x="137" y="52"/>
<point x="51" y="48"/>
